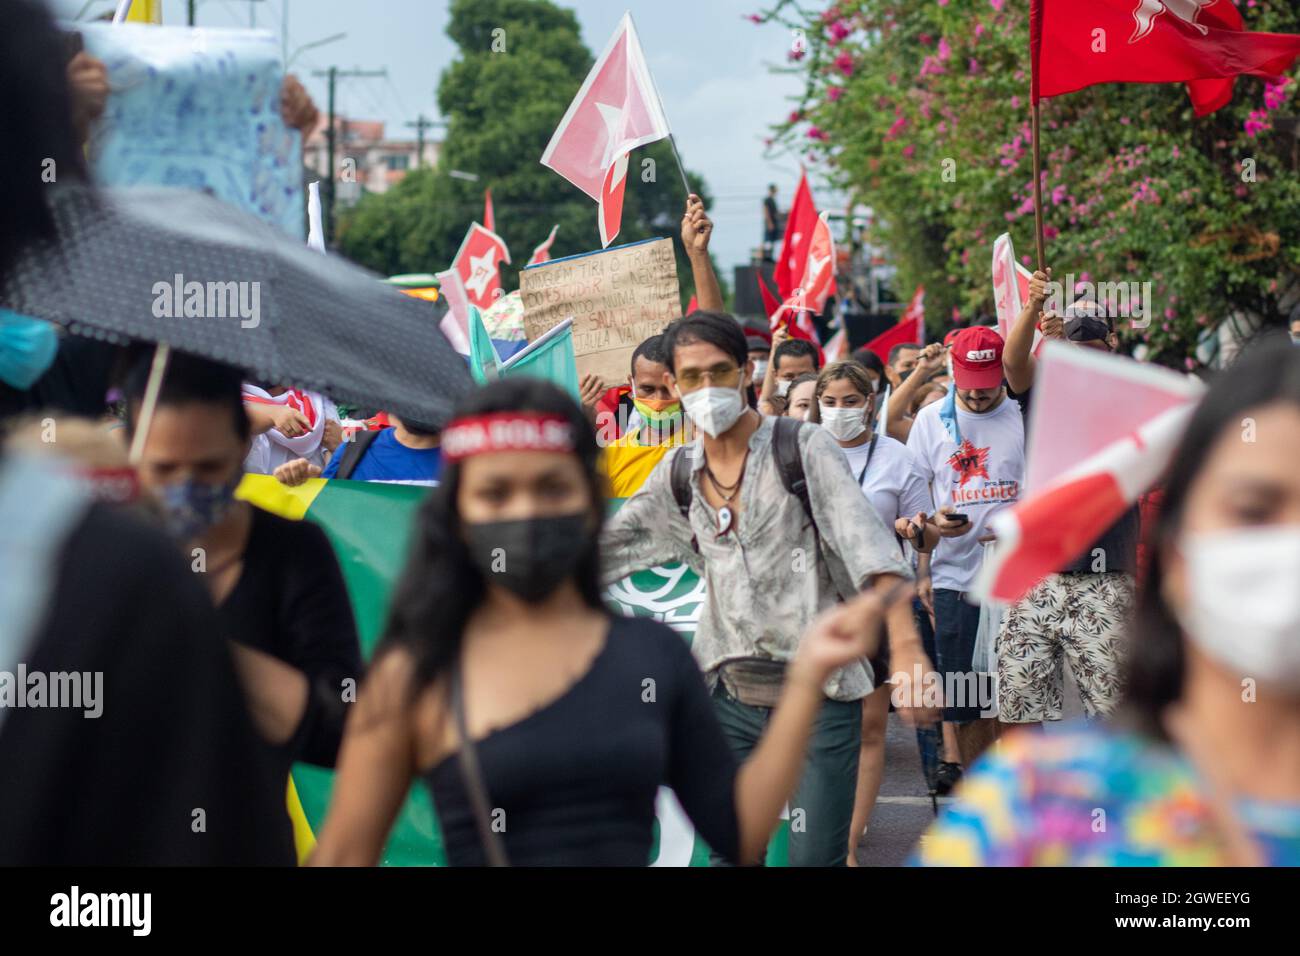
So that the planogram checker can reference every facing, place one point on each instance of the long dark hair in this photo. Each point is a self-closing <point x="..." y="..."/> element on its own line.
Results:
<point x="1269" y="372"/>
<point x="35" y="123"/>
<point x="440" y="587"/>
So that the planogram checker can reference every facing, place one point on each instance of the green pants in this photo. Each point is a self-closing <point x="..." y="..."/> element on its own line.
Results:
<point x="821" y="810"/>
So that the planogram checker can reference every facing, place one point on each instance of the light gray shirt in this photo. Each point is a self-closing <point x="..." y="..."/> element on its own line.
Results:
<point x="765" y="579"/>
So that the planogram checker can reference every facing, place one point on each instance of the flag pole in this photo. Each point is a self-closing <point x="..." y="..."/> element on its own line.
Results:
<point x="1038" y="194"/>
<point x="161" y="353"/>
<point x="680" y="168"/>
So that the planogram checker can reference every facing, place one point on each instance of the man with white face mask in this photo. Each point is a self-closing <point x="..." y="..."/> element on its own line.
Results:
<point x="768" y="568"/>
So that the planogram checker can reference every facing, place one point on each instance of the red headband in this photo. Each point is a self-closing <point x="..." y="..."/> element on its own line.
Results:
<point x="506" y="431"/>
<point x="117" y="486"/>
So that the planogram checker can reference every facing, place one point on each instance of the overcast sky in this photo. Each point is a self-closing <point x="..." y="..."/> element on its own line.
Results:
<point x="709" y="63"/>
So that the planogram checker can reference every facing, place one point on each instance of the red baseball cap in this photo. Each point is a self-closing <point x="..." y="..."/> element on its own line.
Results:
<point x="977" y="358"/>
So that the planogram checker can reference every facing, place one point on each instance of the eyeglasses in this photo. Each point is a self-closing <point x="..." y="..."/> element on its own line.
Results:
<point x="720" y="376"/>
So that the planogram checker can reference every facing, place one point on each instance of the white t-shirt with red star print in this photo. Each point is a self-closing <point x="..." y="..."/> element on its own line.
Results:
<point x="979" y="477"/>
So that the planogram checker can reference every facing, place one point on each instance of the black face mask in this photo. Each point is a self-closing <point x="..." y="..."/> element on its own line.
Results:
<point x="529" y="557"/>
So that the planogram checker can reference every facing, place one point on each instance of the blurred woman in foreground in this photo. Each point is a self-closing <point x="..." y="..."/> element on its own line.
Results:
<point x="1202" y="765"/>
<point x="544" y="725"/>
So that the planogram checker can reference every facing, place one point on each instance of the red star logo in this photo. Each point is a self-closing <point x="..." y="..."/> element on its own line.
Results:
<point x="970" y="462"/>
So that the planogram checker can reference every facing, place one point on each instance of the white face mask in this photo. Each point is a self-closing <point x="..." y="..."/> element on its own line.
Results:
<point x="713" y="410"/>
<point x="844" y="424"/>
<point x="782" y="386"/>
<point x="760" y="369"/>
<point x="1243" y="604"/>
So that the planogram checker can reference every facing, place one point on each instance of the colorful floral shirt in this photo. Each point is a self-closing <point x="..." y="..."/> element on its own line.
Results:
<point x="1094" y="796"/>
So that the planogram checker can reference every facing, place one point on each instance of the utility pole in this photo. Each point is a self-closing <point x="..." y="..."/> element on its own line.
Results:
<point x="420" y="124"/>
<point x="327" y="210"/>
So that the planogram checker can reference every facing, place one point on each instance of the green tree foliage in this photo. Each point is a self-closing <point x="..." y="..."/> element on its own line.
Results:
<point x="1136" y="188"/>
<point x="502" y="107"/>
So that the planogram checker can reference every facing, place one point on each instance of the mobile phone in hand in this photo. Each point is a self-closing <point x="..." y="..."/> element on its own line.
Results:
<point x="958" y="518"/>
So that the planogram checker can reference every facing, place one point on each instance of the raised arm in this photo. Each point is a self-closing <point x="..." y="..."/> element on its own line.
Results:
<point x="697" y="228"/>
<point x="897" y="422"/>
<point x="1018" y="362"/>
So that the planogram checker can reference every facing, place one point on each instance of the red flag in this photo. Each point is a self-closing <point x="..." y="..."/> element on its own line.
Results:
<point x="543" y="252"/>
<point x="609" y="213"/>
<point x="904" y="333"/>
<point x="770" y="302"/>
<point x="489" y="217"/>
<point x="799" y="227"/>
<point x="478" y="264"/>
<point x="915" y="314"/>
<point x="1075" y="45"/>
<point x="1081" y="480"/>
<point x="616" y="110"/>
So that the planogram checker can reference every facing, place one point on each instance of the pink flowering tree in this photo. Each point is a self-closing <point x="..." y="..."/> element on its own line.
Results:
<point x="920" y="109"/>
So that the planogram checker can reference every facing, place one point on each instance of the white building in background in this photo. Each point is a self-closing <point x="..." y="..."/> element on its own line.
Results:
<point x="378" y="163"/>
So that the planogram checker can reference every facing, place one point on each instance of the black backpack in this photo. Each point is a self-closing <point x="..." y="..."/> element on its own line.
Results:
<point x="789" y="465"/>
<point x="355" y="448"/>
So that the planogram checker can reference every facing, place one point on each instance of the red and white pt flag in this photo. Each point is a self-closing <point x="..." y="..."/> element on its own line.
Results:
<point x="478" y="263"/>
<point x="543" y="252"/>
<point x="1081" y="480"/>
<point x="616" y="110"/>
<point x="455" y="324"/>
<point x="1199" y="42"/>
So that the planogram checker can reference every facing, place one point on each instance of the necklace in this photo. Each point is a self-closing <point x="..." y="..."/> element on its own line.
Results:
<point x="726" y="517"/>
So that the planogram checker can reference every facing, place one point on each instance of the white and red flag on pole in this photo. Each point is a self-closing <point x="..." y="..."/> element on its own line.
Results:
<point x="1081" y="480"/>
<point x="478" y="263"/>
<point x="616" y="110"/>
<point x="1010" y="288"/>
<point x="455" y="324"/>
<point x="543" y="252"/>
<point x="489" y="215"/>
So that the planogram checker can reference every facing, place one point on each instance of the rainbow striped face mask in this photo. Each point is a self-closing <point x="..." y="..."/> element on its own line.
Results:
<point x="660" y="413"/>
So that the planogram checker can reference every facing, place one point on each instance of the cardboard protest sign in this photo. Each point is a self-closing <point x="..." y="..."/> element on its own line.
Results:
<point x="617" y="298"/>
<point x="198" y="109"/>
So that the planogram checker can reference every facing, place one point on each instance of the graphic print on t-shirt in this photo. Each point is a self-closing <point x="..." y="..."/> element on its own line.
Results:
<point x="969" y="462"/>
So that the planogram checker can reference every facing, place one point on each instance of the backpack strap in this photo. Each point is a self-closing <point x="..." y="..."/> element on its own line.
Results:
<point x="789" y="463"/>
<point x="353" y="450"/>
<point x="680" y="478"/>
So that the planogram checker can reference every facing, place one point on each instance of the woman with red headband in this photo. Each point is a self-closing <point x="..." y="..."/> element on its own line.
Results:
<point x="543" y="725"/>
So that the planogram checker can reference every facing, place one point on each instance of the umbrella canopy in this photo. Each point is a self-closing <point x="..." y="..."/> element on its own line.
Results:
<point x="181" y="267"/>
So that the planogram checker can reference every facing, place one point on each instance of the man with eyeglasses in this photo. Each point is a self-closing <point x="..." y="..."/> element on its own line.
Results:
<point x="768" y="569"/>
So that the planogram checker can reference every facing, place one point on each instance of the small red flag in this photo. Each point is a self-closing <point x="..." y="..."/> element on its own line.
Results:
<point x="770" y="302"/>
<point x="478" y="263"/>
<point x="1200" y="42"/>
<point x="543" y="252"/>
<point x="489" y="217"/>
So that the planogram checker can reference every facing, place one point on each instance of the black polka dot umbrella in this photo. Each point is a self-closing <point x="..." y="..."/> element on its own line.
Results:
<point x="182" y="268"/>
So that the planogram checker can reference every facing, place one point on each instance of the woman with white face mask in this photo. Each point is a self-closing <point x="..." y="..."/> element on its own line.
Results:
<point x="1201" y="766"/>
<point x="845" y="405"/>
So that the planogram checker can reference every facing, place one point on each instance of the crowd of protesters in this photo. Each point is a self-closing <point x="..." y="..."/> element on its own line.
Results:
<point x="838" y="516"/>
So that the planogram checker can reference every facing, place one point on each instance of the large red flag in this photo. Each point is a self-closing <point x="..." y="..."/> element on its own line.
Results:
<point x="478" y="263"/>
<point x="1201" y="42"/>
<point x="799" y="227"/>
<point x="616" y="110"/>
<point x="1081" y="480"/>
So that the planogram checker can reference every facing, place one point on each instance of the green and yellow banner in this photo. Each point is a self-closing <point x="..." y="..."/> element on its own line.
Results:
<point x="369" y="525"/>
